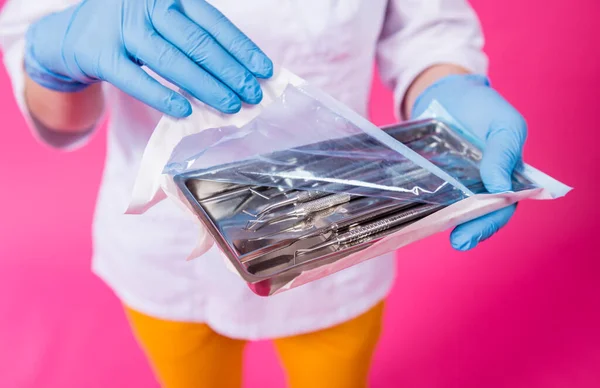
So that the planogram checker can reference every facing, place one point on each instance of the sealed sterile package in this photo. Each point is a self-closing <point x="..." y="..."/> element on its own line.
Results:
<point x="301" y="186"/>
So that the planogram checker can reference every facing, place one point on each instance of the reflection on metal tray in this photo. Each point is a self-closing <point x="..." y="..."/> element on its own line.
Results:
<point x="272" y="233"/>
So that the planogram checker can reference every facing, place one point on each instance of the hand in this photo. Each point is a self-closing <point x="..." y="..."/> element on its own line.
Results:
<point x="474" y="104"/>
<point x="188" y="42"/>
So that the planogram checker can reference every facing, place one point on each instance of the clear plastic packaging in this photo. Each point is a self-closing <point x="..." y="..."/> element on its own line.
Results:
<point x="301" y="186"/>
<point x="303" y="141"/>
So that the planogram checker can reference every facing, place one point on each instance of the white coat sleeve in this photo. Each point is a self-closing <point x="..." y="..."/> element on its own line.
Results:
<point x="15" y="18"/>
<point x="420" y="33"/>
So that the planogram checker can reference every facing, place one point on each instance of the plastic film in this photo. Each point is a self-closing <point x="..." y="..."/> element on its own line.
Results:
<point x="305" y="142"/>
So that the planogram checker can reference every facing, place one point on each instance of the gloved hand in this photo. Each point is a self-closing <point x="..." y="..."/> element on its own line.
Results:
<point x="188" y="42"/>
<point x="480" y="109"/>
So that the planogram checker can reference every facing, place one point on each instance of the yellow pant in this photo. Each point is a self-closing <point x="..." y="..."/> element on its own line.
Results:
<point x="191" y="355"/>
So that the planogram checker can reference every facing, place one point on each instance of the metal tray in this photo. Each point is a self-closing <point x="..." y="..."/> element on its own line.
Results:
<point x="272" y="254"/>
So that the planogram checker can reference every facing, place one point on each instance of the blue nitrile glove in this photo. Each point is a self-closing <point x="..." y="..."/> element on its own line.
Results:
<point x="481" y="110"/>
<point x="188" y="42"/>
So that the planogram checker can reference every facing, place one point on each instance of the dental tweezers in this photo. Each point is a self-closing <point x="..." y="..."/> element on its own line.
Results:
<point x="306" y="224"/>
<point x="300" y="197"/>
<point x="302" y="210"/>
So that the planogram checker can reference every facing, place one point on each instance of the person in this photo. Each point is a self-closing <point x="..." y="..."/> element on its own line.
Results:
<point x="70" y="61"/>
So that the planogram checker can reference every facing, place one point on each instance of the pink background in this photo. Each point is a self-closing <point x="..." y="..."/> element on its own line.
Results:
<point x="523" y="310"/>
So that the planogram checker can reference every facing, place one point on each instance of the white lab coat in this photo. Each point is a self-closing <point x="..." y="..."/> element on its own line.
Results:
<point x="331" y="43"/>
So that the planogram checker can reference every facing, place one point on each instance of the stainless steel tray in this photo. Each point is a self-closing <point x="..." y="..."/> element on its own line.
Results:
<point x="269" y="254"/>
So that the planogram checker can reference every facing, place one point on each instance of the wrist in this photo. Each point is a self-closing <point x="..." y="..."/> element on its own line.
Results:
<point x="425" y="80"/>
<point x="446" y="89"/>
<point x="73" y="112"/>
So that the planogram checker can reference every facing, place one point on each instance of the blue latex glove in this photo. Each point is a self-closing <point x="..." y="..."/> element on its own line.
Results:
<point x="481" y="110"/>
<point x="188" y="42"/>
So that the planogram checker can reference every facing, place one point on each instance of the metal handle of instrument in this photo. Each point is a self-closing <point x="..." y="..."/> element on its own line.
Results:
<point x="372" y="228"/>
<point x="322" y="203"/>
<point x="383" y="224"/>
<point x="306" y="196"/>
